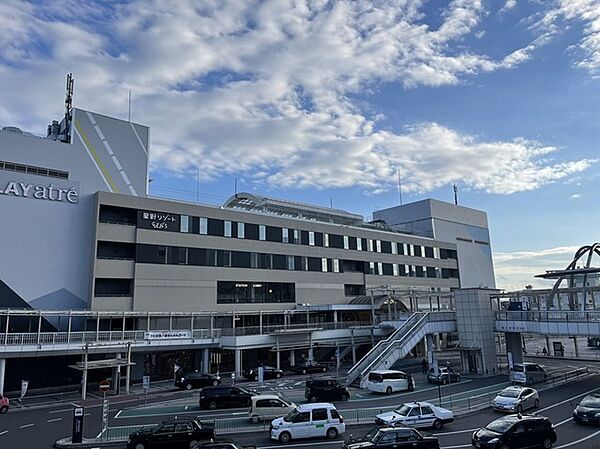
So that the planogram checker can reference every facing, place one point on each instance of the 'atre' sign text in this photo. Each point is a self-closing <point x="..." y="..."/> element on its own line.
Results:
<point x="47" y="192"/>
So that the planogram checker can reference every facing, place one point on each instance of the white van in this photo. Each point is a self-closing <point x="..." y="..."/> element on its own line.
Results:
<point x="390" y="381"/>
<point x="528" y="373"/>
<point x="308" y="421"/>
<point x="268" y="406"/>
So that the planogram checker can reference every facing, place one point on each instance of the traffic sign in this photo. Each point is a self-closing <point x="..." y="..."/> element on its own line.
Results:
<point x="146" y="382"/>
<point x="104" y="386"/>
<point x="77" y="433"/>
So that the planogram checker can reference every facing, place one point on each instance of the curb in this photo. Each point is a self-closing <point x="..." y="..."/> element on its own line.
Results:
<point x="87" y="443"/>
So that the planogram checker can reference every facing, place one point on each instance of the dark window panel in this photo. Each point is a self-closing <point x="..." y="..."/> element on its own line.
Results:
<point x="418" y="251"/>
<point x="234" y="229"/>
<point x="197" y="256"/>
<point x="216" y="227"/>
<point x="401" y="249"/>
<point x="274" y="234"/>
<point x="195" y="225"/>
<point x="318" y="239"/>
<point x="115" y="250"/>
<point x="352" y="242"/>
<point x="429" y="252"/>
<point x="403" y="271"/>
<point x="365" y="247"/>
<point x="120" y="215"/>
<point x="336" y="241"/>
<point x="279" y="262"/>
<point x="304" y="237"/>
<point x="113" y="287"/>
<point x="388" y="270"/>
<point x="223" y="258"/>
<point x="386" y="247"/>
<point x="354" y="290"/>
<point x="240" y="259"/>
<point x="431" y="273"/>
<point x="241" y="292"/>
<point x="251" y="231"/>
<point x="314" y="264"/>
<point x="298" y="263"/>
<point x="419" y="272"/>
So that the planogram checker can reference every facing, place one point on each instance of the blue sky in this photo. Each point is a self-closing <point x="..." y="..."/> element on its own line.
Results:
<point x="322" y="101"/>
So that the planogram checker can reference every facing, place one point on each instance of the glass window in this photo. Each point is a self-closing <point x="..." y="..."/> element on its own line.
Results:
<point x="183" y="427"/>
<point x="388" y="437"/>
<point x="414" y="412"/>
<point x="370" y="245"/>
<point x="396" y="270"/>
<point x="184" y="224"/>
<point x="379" y="268"/>
<point x="311" y="238"/>
<point x="336" y="265"/>
<point x="405" y="249"/>
<point x="240" y="229"/>
<point x="285" y="236"/>
<point x="426" y="410"/>
<point x="346" y="242"/>
<point x="394" y="248"/>
<point x="165" y="428"/>
<point x="227" y="228"/>
<point x="378" y="245"/>
<point x="290" y="263"/>
<point x="324" y="264"/>
<point x="248" y="292"/>
<point x="359" y="244"/>
<point x="326" y="240"/>
<point x="302" y="417"/>
<point x="262" y="232"/>
<point x="296" y="236"/>
<point x="203" y="225"/>
<point x="319" y="414"/>
<point x="371" y="267"/>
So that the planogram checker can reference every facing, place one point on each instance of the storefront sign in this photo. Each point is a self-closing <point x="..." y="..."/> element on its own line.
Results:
<point x="57" y="191"/>
<point x="167" y="335"/>
<point x="161" y="221"/>
<point x="77" y="434"/>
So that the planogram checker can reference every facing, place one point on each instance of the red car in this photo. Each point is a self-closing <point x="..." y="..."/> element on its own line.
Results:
<point x="4" y="404"/>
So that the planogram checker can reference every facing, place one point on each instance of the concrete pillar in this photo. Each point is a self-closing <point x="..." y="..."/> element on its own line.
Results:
<point x="84" y="377"/>
<point x="335" y="316"/>
<point x="2" y="374"/>
<point x="206" y="360"/>
<point x="278" y="355"/>
<point x="128" y="370"/>
<point x="260" y="321"/>
<point x="117" y="376"/>
<point x="548" y="347"/>
<point x="576" y="348"/>
<point x="238" y="363"/>
<point x="353" y="347"/>
<point x="292" y="357"/>
<point x="514" y="346"/>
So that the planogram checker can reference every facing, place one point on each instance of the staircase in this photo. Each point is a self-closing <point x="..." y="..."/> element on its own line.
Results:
<point x="385" y="353"/>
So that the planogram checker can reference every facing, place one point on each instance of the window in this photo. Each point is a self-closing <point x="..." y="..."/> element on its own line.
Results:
<point x="405" y="249"/>
<point x="378" y="245"/>
<point x="354" y="290"/>
<point x="431" y="272"/>
<point x="227" y="228"/>
<point x="359" y="244"/>
<point x="326" y="240"/>
<point x="336" y="265"/>
<point x="352" y="241"/>
<point x="336" y="241"/>
<point x="203" y="226"/>
<point x="183" y="427"/>
<point x="426" y="410"/>
<point x="371" y="267"/>
<point x="314" y="264"/>
<point x="263" y="403"/>
<point x="388" y="437"/>
<point x="285" y="237"/>
<point x="290" y="263"/>
<point x="262" y="232"/>
<point x="166" y="428"/>
<point x="311" y="238"/>
<point x="251" y="231"/>
<point x="216" y="227"/>
<point x="240" y="259"/>
<point x="252" y="292"/>
<point x="396" y="270"/>
<point x="394" y="248"/>
<point x="184" y="224"/>
<point x="324" y="264"/>
<point x="334" y="413"/>
<point x="240" y="230"/>
<point x="319" y="414"/>
<point x="417" y="251"/>
<point x="370" y="245"/>
<point x="319" y="239"/>
<point x="296" y="236"/>
<point x="302" y="417"/>
<point x="379" y="268"/>
<point x="429" y="252"/>
<point x="346" y="242"/>
<point x="414" y="412"/>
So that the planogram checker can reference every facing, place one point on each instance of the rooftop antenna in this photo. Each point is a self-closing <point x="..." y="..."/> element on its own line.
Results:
<point x="129" y="107"/>
<point x="235" y="187"/>
<point x="399" y="184"/>
<point x="455" y="193"/>
<point x="68" y="107"/>
<point x="331" y="202"/>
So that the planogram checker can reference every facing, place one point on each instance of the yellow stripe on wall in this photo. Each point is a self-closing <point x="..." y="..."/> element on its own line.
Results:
<point x="87" y="142"/>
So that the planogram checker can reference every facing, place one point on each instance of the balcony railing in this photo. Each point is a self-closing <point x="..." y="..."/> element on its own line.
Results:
<point x="554" y="315"/>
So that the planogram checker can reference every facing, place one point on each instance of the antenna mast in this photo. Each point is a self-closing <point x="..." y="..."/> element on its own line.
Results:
<point x="399" y="184"/>
<point x="455" y="193"/>
<point x="68" y="107"/>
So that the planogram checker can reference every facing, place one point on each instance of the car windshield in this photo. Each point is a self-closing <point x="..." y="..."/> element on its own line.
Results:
<point x="403" y="410"/>
<point x="591" y="401"/>
<point x="290" y="416"/>
<point x="374" y="435"/>
<point x="510" y="393"/>
<point x="501" y="425"/>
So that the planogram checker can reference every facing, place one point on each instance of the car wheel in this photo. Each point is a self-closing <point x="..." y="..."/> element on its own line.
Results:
<point x="332" y="433"/>
<point x="536" y="404"/>
<point x="345" y="397"/>
<point x="193" y="444"/>
<point x="519" y="408"/>
<point x="3" y="409"/>
<point x="284" y="437"/>
<point x="303" y="371"/>
<point x="388" y="390"/>
<point x="278" y="375"/>
<point x="139" y="446"/>
<point x="444" y="381"/>
<point x="255" y="419"/>
<point x="212" y="405"/>
<point x="324" y="369"/>
<point x="547" y="444"/>
<point x="188" y="386"/>
<point x="437" y="424"/>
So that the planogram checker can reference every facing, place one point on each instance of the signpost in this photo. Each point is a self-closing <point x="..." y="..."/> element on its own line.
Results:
<point x="146" y="383"/>
<point x="77" y="434"/>
<point x="261" y="375"/>
<point x="104" y="387"/>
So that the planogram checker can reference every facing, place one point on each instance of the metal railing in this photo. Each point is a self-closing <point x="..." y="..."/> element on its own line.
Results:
<point x="554" y="315"/>
<point x="272" y="329"/>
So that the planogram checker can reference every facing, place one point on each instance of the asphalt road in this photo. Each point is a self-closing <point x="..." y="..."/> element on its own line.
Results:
<point x="41" y="427"/>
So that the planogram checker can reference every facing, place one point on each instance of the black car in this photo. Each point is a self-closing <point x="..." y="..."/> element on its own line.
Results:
<point x="393" y="437"/>
<point x="325" y="390"/>
<point x="444" y="376"/>
<point x="177" y="433"/>
<point x="224" y="397"/>
<point x="515" y="432"/>
<point x="310" y="367"/>
<point x="588" y="410"/>
<point x="270" y="373"/>
<point x="222" y="444"/>
<point x="195" y="379"/>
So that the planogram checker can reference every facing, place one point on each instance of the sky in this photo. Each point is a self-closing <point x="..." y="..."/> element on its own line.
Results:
<point x="327" y="102"/>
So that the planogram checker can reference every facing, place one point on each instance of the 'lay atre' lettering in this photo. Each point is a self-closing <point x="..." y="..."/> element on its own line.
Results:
<point x="41" y="192"/>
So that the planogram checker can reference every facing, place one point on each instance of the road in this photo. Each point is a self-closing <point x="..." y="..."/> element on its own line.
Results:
<point x="40" y="427"/>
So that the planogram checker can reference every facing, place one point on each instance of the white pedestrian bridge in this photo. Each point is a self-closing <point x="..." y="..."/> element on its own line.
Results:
<point x="557" y="323"/>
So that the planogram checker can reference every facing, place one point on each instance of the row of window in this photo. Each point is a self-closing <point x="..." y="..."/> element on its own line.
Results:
<point x="252" y="292"/>
<point x="175" y="255"/>
<point x="30" y="169"/>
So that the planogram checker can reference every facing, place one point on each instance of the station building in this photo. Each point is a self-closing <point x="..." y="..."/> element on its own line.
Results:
<point x="79" y="232"/>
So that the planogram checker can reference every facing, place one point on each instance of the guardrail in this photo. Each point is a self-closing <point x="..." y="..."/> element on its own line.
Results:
<point x="557" y="315"/>
<point x="272" y="329"/>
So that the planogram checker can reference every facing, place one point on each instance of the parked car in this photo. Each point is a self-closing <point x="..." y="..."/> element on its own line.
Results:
<point x="310" y="366"/>
<point x="270" y="373"/>
<point x="393" y="438"/>
<point x="225" y="397"/>
<point x="528" y="373"/>
<point x="177" y="433"/>
<point x="516" y="399"/>
<point x="416" y="414"/>
<point x="4" y="404"/>
<point x="515" y="432"/>
<point x="390" y="381"/>
<point x="195" y="379"/>
<point x="588" y="410"/>
<point x="325" y="390"/>
<point x="268" y="406"/>
<point x="443" y="376"/>
<point x="308" y="421"/>
<point x="222" y="444"/>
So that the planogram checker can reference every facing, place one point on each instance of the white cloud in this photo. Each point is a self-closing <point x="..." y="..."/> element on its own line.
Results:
<point x="264" y="88"/>
<point x="515" y="270"/>
<point x="575" y="196"/>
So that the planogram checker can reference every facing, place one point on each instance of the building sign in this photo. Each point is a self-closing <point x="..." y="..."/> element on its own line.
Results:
<point x="29" y="187"/>
<point x="77" y="433"/>
<point x="161" y="221"/>
<point x="167" y="335"/>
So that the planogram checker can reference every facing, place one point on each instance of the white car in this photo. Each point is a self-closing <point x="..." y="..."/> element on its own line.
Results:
<point x="390" y="381"/>
<point x="416" y="414"/>
<point x="308" y="421"/>
<point x="516" y="399"/>
<point x="268" y="406"/>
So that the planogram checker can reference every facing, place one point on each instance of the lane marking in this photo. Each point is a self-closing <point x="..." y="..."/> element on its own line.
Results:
<point x="581" y="440"/>
<point x="568" y="400"/>
<point x="25" y="426"/>
<point x="455" y="432"/>
<point x="54" y="420"/>
<point x="320" y="443"/>
<point x="60" y="411"/>
<point x="456" y="447"/>
<point x="563" y="421"/>
<point x="4" y="432"/>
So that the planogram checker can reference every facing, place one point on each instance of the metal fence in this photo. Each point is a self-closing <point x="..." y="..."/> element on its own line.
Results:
<point x="533" y="315"/>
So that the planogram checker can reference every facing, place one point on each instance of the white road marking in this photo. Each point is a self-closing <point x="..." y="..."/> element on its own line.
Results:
<point x="300" y="444"/>
<point x="24" y="426"/>
<point x="563" y="421"/>
<point x="456" y="447"/>
<point x="54" y="420"/>
<point x="458" y="431"/>
<point x="567" y="400"/>
<point x="4" y="432"/>
<point x="73" y="404"/>
<point x="579" y="440"/>
<point x="61" y="411"/>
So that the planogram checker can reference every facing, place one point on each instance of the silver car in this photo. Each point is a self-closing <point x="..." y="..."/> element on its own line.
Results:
<point x="516" y="399"/>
